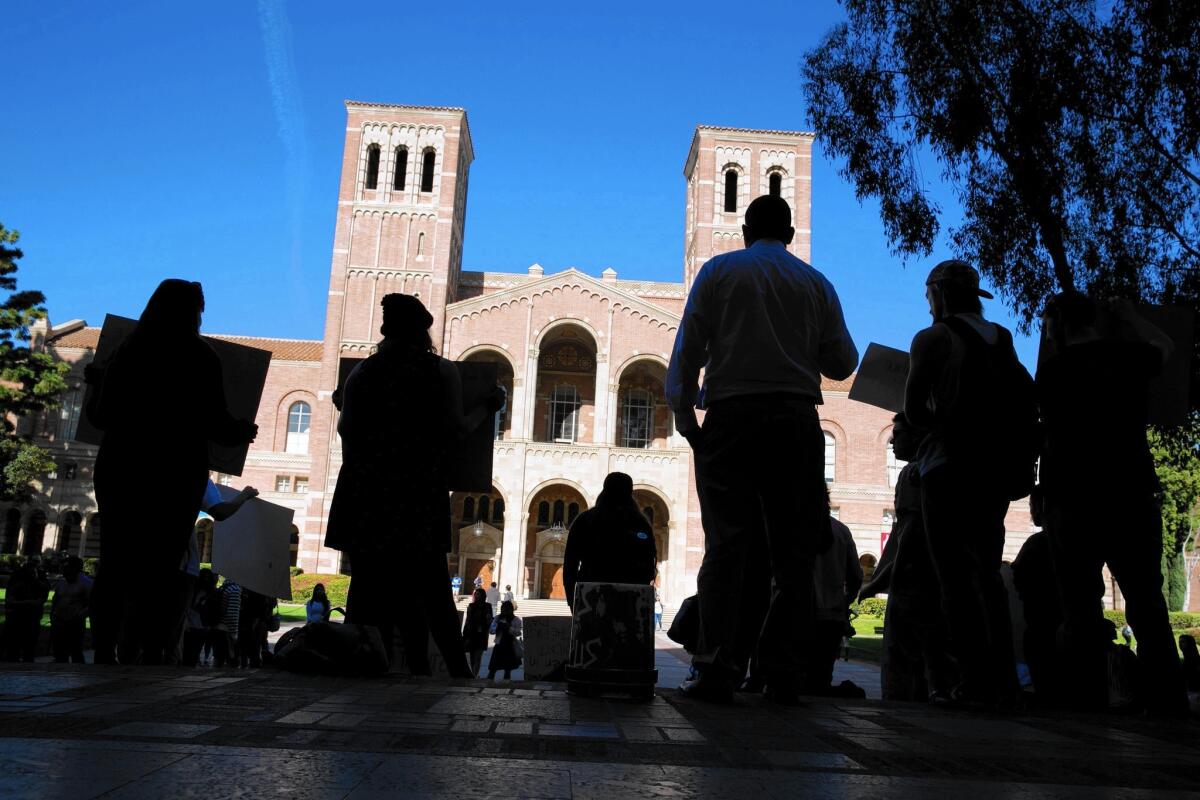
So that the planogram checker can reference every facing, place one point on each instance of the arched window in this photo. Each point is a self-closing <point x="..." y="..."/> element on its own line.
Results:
<point x="543" y="514"/>
<point x="731" y="178"/>
<point x="648" y="511"/>
<point x="485" y="506"/>
<point x="564" y="410"/>
<point x="401" y="168"/>
<point x="830" y="457"/>
<point x="12" y="531"/>
<point x="420" y="244"/>
<point x="572" y="512"/>
<point x="373" y="167"/>
<point x="427" y="171"/>
<point x="894" y="465"/>
<point x="91" y="539"/>
<point x="775" y="184"/>
<point x="867" y="562"/>
<point x="637" y="419"/>
<point x="299" y="419"/>
<point x="70" y="532"/>
<point x="498" y="511"/>
<point x="559" y="510"/>
<point x="68" y="415"/>
<point x="35" y="530"/>
<point x="468" y="510"/>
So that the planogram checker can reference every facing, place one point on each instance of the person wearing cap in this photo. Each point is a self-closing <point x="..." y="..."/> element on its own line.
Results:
<point x="952" y="376"/>
<point x="401" y="418"/>
<point x="764" y="326"/>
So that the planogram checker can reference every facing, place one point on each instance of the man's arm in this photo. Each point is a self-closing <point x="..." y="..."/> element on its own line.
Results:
<point x="689" y="355"/>
<point x="227" y="508"/>
<point x="927" y="358"/>
<point x="838" y="356"/>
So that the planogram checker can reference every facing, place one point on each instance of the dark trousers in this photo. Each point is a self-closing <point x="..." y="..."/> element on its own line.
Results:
<point x="964" y="523"/>
<point x="425" y="608"/>
<point x="760" y="479"/>
<point x="67" y="638"/>
<point x="821" y="654"/>
<point x="22" y="629"/>
<point x="1085" y="533"/>
<point x="185" y="586"/>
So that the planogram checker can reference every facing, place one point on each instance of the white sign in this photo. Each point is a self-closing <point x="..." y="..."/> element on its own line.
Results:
<point x="881" y="378"/>
<point x="254" y="546"/>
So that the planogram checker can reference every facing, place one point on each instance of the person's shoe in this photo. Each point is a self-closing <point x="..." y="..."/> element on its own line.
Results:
<point x="711" y="690"/>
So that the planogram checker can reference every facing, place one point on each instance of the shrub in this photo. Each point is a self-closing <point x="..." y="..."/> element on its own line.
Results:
<point x="294" y="571"/>
<point x="11" y="562"/>
<point x="1180" y="620"/>
<point x="90" y="565"/>
<point x="872" y="607"/>
<point x="336" y="587"/>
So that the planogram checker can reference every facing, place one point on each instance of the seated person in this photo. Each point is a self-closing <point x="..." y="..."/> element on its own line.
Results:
<point x="611" y="543"/>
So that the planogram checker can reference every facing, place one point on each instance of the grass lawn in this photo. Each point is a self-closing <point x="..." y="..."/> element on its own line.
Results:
<point x="866" y="644"/>
<point x="291" y="612"/>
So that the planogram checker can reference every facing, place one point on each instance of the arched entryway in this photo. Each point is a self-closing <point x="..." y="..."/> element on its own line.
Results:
<point x="35" y="532"/>
<point x="504" y="377"/>
<point x="867" y="562"/>
<point x="642" y="417"/>
<point x="204" y="536"/>
<point x="551" y="512"/>
<point x="479" y="554"/>
<point x="655" y="510"/>
<point x="566" y="386"/>
<point x="11" y="532"/>
<point x="70" y="532"/>
<point x="476" y="515"/>
<point x="91" y="537"/>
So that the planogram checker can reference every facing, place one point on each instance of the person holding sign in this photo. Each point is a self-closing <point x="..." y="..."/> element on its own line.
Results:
<point x="1097" y="363"/>
<point x="160" y="401"/>
<point x="401" y="420"/>
<point x="764" y="326"/>
<point x="612" y="542"/>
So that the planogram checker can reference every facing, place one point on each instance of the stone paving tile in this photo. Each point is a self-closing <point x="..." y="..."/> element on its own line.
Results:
<point x="301" y="718"/>
<point x="518" y="728"/>
<point x="160" y="730"/>
<point x="803" y="760"/>
<point x="578" y="730"/>
<point x="343" y="720"/>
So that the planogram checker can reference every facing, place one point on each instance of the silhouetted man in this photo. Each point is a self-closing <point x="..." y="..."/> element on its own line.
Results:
<point x="966" y="387"/>
<point x="765" y="326"/>
<point x="1101" y="487"/>
<point x="611" y="542"/>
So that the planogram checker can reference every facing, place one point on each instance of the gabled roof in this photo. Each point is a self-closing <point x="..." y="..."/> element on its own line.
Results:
<point x="281" y="349"/>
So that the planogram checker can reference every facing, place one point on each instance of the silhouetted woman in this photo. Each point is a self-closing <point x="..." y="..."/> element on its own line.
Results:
<point x="506" y="655"/>
<point x="400" y="423"/>
<point x="476" y="627"/>
<point x="612" y="542"/>
<point x="318" y="608"/>
<point x="160" y="402"/>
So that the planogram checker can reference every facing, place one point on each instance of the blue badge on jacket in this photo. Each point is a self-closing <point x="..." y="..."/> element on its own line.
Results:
<point x="643" y="535"/>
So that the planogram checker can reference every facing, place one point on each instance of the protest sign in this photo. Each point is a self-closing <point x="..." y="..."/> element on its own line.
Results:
<point x="881" y="378"/>
<point x="471" y="466"/>
<point x="243" y="370"/>
<point x="254" y="546"/>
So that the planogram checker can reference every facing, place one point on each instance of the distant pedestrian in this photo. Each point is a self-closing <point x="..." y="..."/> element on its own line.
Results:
<point x="24" y="604"/>
<point x="507" y="595"/>
<point x="764" y="326"/>
<point x="477" y="624"/>
<point x="837" y="577"/>
<point x="318" y="607"/>
<point x="493" y="597"/>
<point x="509" y="648"/>
<point x="658" y="612"/>
<point x="203" y="620"/>
<point x="68" y="612"/>
<point x="225" y="647"/>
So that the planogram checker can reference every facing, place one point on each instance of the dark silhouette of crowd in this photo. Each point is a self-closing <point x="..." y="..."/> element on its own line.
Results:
<point x="778" y="576"/>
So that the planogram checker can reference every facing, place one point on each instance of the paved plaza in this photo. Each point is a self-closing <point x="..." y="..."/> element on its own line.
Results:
<point x="79" y="732"/>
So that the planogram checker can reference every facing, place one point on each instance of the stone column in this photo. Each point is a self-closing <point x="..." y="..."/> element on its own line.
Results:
<point x="601" y="432"/>
<point x="511" y="557"/>
<point x="531" y="371"/>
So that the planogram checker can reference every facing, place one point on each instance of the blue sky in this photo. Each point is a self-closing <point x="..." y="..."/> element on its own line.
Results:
<point x="146" y="140"/>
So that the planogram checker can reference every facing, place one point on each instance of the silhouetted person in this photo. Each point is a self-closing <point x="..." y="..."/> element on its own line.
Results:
<point x="252" y="627"/>
<point x="837" y="577"/>
<point x="967" y="388"/>
<point x="203" y="619"/>
<point x="1101" y="489"/>
<point x="318" y="608"/>
<point x="477" y="624"/>
<point x="505" y="653"/>
<point x="401" y="419"/>
<point x="161" y="400"/>
<point x="24" y="603"/>
<point x="1036" y="583"/>
<point x="1191" y="662"/>
<point x="69" y="611"/>
<point x="764" y="326"/>
<point x="611" y="542"/>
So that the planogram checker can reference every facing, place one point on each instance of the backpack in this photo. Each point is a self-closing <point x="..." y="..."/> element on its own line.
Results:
<point x="996" y="409"/>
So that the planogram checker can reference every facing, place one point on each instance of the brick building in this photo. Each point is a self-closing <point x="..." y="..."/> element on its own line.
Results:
<point x="583" y="359"/>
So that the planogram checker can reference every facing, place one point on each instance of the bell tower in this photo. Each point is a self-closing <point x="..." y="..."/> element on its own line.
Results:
<point x="726" y="168"/>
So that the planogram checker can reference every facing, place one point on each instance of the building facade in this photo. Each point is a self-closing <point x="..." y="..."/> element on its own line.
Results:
<point x="583" y="359"/>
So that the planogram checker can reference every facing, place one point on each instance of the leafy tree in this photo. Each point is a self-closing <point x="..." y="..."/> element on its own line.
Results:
<point x="1178" y="467"/>
<point x="29" y="382"/>
<point x="1071" y="138"/>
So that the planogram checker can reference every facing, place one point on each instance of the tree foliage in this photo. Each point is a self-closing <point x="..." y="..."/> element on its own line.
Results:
<point x="1069" y="135"/>
<point x="1178" y="466"/>
<point x="29" y="381"/>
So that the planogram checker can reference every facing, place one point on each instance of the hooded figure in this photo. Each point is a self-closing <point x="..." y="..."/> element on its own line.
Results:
<point x="611" y="543"/>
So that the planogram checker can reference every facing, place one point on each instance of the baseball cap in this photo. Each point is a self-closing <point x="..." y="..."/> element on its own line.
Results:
<point x="960" y="272"/>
